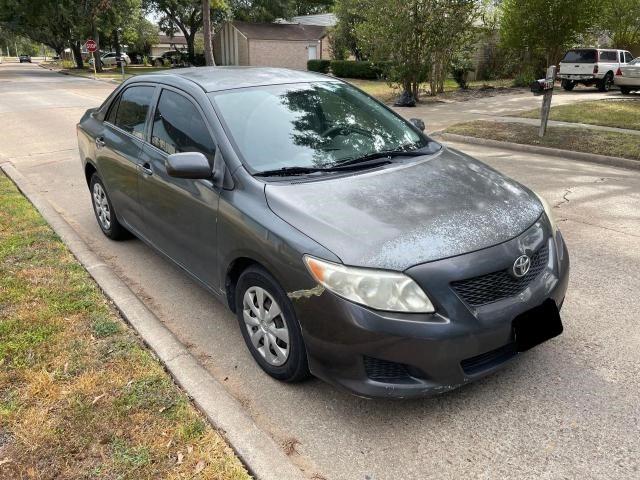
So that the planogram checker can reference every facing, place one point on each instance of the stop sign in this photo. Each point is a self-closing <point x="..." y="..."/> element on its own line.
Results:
<point x="91" y="46"/>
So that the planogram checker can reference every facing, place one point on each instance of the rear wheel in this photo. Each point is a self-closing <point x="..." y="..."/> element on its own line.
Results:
<point x="269" y="326"/>
<point x="103" y="209"/>
<point x="604" y="85"/>
<point x="625" y="90"/>
<point x="568" y="85"/>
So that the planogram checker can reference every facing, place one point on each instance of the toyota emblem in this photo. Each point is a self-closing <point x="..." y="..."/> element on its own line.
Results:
<point x="521" y="266"/>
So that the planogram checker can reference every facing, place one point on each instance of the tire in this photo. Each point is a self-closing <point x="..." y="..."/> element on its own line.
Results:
<point x="605" y="84"/>
<point x="568" y="85"/>
<point x="256" y="283"/>
<point x="158" y="63"/>
<point x="104" y="212"/>
<point x="625" y="90"/>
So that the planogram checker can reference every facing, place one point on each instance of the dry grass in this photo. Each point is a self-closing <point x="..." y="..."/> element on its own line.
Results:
<point x="387" y="93"/>
<point x="80" y="396"/>
<point x="565" y="138"/>
<point x="610" y="113"/>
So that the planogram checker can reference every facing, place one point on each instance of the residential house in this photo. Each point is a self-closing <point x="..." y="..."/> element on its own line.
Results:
<point x="288" y="45"/>
<point x="166" y="43"/>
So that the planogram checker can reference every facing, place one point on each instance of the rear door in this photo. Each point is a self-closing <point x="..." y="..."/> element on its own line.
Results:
<point x="118" y="150"/>
<point x="578" y="63"/>
<point x="180" y="215"/>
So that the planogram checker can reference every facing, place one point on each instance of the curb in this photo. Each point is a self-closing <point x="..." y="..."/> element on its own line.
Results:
<point x="264" y="459"/>
<point x="103" y="80"/>
<point x="557" y="152"/>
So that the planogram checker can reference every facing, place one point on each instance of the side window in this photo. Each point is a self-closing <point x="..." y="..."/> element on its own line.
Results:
<point x="179" y="127"/>
<point x="608" y="56"/>
<point x="132" y="111"/>
<point x="113" y="109"/>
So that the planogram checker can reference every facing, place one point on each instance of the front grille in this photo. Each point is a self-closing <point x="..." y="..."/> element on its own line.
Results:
<point x="491" y="287"/>
<point x="386" y="372"/>
<point x="484" y="361"/>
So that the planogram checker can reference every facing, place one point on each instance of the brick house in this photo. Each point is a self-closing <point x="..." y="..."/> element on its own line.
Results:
<point x="287" y="45"/>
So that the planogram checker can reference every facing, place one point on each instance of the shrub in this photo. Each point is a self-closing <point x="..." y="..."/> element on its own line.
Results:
<point x="524" y="78"/>
<point x="321" y="66"/>
<point x="355" y="69"/>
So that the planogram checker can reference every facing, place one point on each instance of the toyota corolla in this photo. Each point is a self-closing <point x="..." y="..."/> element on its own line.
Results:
<point x="349" y="244"/>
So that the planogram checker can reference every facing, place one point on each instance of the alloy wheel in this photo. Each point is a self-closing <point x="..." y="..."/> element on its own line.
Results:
<point x="101" y="205"/>
<point x="265" y="323"/>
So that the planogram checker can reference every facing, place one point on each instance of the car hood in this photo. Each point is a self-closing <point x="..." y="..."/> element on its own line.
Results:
<point x="440" y="206"/>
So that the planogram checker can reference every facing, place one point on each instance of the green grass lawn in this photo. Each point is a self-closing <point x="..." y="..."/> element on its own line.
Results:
<point x="610" y="113"/>
<point x="80" y="395"/>
<point x="110" y="73"/>
<point x="566" y="138"/>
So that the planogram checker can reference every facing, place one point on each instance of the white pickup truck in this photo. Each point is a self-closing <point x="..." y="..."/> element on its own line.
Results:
<point x="592" y="66"/>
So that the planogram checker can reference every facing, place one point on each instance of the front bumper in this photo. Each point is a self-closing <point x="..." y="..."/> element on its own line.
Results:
<point x="383" y="354"/>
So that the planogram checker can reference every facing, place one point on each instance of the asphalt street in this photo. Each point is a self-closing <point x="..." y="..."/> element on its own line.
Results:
<point x="567" y="409"/>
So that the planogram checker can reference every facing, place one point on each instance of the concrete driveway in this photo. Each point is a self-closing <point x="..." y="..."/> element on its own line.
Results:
<point x="567" y="409"/>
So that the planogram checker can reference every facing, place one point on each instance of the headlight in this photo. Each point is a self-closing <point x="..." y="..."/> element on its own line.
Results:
<point x="378" y="289"/>
<point x="548" y="212"/>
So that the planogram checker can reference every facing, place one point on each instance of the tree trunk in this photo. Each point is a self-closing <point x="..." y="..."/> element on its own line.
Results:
<point x="206" y="27"/>
<point x="77" y="54"/>
<point x="191" y="48"/>
<point x="116" y="43"/>
<point x="96" y="54"/>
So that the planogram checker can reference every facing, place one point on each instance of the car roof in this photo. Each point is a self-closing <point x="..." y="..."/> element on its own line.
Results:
<point x="214" y="79"/>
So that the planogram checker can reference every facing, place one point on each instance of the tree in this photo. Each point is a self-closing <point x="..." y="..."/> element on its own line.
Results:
<point x="416" y="38"/>
<point x="310" y="7"/>
<point x="206" y="27"/>
<point x="546" y="28"/>
<point x="261" y="10"/>
<point x="186" y="16"/>
<point x="620" y="19"/>
<point x="141" y="35"/>
<point x="343" y="36"/>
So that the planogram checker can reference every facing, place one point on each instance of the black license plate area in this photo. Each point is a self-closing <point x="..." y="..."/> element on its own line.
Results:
<point x="537" y="325"/>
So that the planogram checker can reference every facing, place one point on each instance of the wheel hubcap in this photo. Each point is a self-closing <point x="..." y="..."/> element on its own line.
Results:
<point x="266" y="326"/>
<point x="102" y="206"/>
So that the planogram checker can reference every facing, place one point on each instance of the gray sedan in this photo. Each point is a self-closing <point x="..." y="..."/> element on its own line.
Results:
<point x="349" y="244"/>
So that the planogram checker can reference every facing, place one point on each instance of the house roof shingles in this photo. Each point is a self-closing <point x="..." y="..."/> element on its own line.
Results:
<point x="280" y="31"/>
<point x="178" y="39"/>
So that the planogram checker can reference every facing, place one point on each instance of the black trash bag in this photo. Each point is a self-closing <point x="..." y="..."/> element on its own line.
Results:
<point x="405" y="100"/>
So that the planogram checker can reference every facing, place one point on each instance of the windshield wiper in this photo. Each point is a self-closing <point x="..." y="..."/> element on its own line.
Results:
<point x="286" y="171"/>
<point x="380" y="155"/>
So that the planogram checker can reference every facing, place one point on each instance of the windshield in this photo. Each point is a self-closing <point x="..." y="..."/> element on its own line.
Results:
<point x="311" y="125"/>
<point x="580" y="56"/>
<point x="635" y="61"/>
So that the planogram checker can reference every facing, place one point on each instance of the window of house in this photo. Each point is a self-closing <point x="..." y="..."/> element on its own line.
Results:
<point x="133" y="108"/>
<point x="178" y="127"/>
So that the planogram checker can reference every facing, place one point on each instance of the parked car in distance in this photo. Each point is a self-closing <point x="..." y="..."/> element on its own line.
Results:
<point x="110" y="59"/>
<point x="172" y="57"/>
<point x="628" y="76"/>
<point x="349" y="244"/>
<point x="24" y="58"/>
<point x="591" y="66"/>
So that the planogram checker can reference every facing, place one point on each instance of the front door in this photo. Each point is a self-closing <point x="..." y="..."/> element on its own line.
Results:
<point x="179" y="215"/>
<point x="118" y="150"/>
<point x="313" y="52"/>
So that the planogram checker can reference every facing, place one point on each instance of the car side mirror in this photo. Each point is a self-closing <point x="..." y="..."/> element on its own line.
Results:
<point x="192" y="165"/>
<point x="418" y="123"/>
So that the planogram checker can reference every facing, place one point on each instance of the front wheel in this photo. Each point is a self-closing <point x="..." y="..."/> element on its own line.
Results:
<point x="269" y="326"/>
<point x="568" y="85"/>
<point x="605" y="84"/>
<point x="625" y="90"/>
<point x="104" y="212"/>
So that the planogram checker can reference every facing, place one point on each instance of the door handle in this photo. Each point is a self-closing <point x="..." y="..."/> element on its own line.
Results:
<point x="100" y="142"/>
<point x="146" y="168"/>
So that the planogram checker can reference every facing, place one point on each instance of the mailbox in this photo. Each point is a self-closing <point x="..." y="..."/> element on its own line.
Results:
<point x="539" y="87"/>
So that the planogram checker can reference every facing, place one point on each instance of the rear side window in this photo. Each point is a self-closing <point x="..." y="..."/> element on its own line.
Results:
<point x="179" y="127"/>
<point x="133" y="108"/>
<point x="580" y="56"/>
<point x="608" y="56"/>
